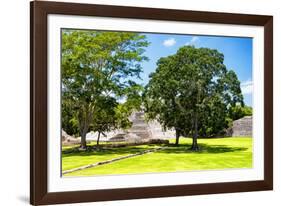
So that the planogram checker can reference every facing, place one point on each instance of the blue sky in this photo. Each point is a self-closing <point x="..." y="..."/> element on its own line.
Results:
<point x="237" y="54"/>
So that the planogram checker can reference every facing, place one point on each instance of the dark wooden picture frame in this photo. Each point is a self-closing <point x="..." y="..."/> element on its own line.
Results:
<point x="38" y="102"/>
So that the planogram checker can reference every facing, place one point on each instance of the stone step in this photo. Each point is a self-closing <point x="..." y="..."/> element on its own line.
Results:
<point x="138" y="121"/>
<point x="139" y="114"/>
<point x="139" y="132"/>
<point x="132" y="130"/>
<point x="138" y="127"/>
<point x="144" y="136"/>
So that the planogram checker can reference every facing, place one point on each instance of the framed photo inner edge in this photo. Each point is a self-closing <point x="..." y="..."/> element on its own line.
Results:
<point x="39" y="93"/>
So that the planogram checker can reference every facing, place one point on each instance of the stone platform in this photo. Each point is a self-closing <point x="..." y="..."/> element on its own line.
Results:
<point x="242" y="127"/>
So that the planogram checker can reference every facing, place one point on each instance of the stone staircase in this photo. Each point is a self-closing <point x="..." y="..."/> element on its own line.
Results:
<point x="139" y="126"/>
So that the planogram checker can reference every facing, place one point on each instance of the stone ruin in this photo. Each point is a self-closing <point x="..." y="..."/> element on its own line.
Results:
<point x="143" y="131"/>
<point x="140" y="127"/>
<point x="242" y="127"/>
<point x="68" y="139"/>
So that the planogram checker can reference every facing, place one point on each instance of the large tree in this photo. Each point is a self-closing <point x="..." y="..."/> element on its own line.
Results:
<point x="98" y="64"/>
<point x="192" y="91"/>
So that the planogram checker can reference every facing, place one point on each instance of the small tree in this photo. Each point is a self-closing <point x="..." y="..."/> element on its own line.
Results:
<point x="192" y="91"/>
<point x="238" y="111"/>
<point x="104" y="118"/>
<point x="110" y="114"/>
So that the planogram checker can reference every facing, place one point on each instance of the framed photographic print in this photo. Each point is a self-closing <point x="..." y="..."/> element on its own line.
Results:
<point x="131" y="102"/>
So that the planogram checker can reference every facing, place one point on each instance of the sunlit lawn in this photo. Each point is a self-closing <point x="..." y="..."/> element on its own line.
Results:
<point x="71" y="158"/>
<point x="216" y="153"/>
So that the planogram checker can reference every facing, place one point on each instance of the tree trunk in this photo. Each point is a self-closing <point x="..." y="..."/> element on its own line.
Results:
<point x="194" y="146"/>
<point x="84" y="126"/>
<point x="98" y="140"/>
<point x="177" y="137"/>
<point x="84" y="119"/>
<point x="83" y="138"/>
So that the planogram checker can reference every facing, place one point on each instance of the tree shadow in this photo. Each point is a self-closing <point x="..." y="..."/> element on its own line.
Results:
<point x="204" y="149"/>
<point x="105" y="150"/>
<point x="169" y="149"/>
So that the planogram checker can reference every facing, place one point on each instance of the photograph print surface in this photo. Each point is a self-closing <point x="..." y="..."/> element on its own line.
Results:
<point x="135" y="103"/>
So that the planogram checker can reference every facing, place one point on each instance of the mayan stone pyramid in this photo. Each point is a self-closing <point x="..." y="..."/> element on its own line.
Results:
<point x="140" y="127"/>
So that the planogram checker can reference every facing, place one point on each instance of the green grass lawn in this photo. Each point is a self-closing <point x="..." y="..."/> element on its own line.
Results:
<point x="72" y="158"/>
<point x="216" y="153"/>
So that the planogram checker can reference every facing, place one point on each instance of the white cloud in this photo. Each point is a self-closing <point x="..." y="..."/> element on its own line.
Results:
<point x="193" y="40"/>
<point x="247" y="87"/>
<point x="169" y="42"/>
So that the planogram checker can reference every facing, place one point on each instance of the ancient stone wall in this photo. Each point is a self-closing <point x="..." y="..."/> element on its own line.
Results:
<point x="158" y="132"/>
<point x="242" y="127"/>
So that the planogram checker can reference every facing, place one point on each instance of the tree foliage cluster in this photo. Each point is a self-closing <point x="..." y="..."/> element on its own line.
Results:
<point x="99" y="69"/>
<point x="193" y="93"/>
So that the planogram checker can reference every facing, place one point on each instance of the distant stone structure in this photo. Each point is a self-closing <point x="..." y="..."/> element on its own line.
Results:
<point x="140" y="127"/>
<point x="137" y="133"/>
<point x="142" y="130"/>
<point x="158" y="132"/>
<point x="68" y="139"/>
<point x="148" y="130"/>
<point x="242" y="127"/>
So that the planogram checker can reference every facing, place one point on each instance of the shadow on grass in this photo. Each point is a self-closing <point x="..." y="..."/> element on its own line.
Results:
<point x="74" y="151"/>
<point x="170" y="149"/>
<point x="204" y="148"/>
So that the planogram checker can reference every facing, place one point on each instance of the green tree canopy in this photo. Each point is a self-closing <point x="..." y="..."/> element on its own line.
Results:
<point x="98" y="64"/>
<point x="192" y="91"/>
<point x="238" y="111"/>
